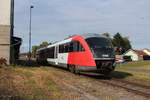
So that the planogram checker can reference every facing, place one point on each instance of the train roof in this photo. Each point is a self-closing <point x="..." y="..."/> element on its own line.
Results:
<point x="42" y="48"/>
<point x="85" y="36"/>
<point x="89" y="35"/>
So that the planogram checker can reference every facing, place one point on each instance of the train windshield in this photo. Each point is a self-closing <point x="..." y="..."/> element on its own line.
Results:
<point x="98" y="42"/>
<point x="100" y="47"/>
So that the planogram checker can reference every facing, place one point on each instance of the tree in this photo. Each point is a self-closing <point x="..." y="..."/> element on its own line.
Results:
<point x="35" y="48"/>
<point x="122" y="43"/>
<point x="118" y="40"/>
<point x="127" y="43"/>
<point x="106" y="34"/>
<point x="44" y="44"/>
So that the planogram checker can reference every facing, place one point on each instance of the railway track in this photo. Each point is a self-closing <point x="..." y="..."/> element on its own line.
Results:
<point x="138" y="89"/>
<point x="131" y="87"/>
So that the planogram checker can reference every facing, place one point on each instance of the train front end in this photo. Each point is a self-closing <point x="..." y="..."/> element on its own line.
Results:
<point x="103" y="53"/>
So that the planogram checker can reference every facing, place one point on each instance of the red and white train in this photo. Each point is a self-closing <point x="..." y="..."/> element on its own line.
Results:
<point x="87" y="52"/>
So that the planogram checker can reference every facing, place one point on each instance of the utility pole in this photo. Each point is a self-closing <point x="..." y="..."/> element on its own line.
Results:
<point x="30" y="26"/>
<point x="12" y="55"/>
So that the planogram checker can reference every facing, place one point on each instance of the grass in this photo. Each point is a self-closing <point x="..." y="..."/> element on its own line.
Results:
<point x="144" y="68"/>
<point x="30" y="84"/>
<point x="134" y="64"/>
<point x="137" y="77"/>
<point x="36" y="83"/>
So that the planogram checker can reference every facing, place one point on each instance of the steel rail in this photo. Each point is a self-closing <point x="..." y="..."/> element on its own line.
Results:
<point x="138" y="92"/>
<point x="135" y="88"/>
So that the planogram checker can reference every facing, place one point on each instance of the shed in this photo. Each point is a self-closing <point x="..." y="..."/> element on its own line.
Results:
<point x="147" y="51"/>
<point x="136" y="55"/>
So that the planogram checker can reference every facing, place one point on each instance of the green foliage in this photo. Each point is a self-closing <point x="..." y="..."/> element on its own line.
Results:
<point x="44" y="44"/>
<point x="35" y="48"/>
<point x="106" y="34"/>
<point x="127" y="43"/>
<point x="120" y="42"/>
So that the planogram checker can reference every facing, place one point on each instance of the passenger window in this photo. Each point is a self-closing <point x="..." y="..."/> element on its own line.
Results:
<point x="61" y="48"/>
<point x="71" y="47"/>
<point x="66" y="47"/>
<point x="78" y="46"/>
<point x="74" y="46"/>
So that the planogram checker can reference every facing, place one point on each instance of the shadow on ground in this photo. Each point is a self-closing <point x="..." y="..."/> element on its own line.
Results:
<point x="120" y="74"/>
<point x="115" y="74"/>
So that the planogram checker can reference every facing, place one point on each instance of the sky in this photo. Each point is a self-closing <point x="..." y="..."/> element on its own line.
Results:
<point x="54" y="20"/>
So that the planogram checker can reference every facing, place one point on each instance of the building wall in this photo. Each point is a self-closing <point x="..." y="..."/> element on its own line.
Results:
<point x="134" y="56"/>
<point x="5" y="13"/>
<point x="5" y="6"/>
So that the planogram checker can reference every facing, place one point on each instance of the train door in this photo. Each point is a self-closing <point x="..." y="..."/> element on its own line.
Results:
<point x="56" y="54"/>
<point x="75" y="49"/>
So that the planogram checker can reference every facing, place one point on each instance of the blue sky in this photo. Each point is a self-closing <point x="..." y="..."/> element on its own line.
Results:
<point x="54" y="20"/>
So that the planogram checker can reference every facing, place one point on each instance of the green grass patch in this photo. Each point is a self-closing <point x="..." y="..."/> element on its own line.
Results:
<point x="144" y="68"/>
<point x="22" y="73"/>
<point x="28" y="74"/>
<point x="8" y="68"/>
<point x="134" y="64"/>
<point x="52" y="85"/>
<point x="45" y="68"/>
<point x="138" y="77"/>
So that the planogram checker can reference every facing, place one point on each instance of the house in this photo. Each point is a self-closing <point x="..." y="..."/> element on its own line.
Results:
<point x="136" y="55"/>
<point x="147" y="51"/>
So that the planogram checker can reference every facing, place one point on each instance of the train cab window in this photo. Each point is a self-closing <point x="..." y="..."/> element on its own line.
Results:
<point x="99" y="42"/>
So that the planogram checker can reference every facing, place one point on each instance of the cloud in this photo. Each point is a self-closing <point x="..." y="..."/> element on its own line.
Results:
<point x="54" y="20"/>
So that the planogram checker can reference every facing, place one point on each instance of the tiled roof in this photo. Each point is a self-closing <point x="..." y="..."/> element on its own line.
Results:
<point x="140" y="52"/>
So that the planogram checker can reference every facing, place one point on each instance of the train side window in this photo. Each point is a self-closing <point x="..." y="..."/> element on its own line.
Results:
<point x="66" y="47"/>
<point x="61" y="48"/>
<point x="74" y="46"/>
<point x="71" y="47"/>
<point x="78" y="46"/>
<point x="51" y="52"/>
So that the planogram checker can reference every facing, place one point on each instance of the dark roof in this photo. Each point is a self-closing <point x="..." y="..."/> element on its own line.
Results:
<point x="140" y="52"/>
<point x="89" y="35"/>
